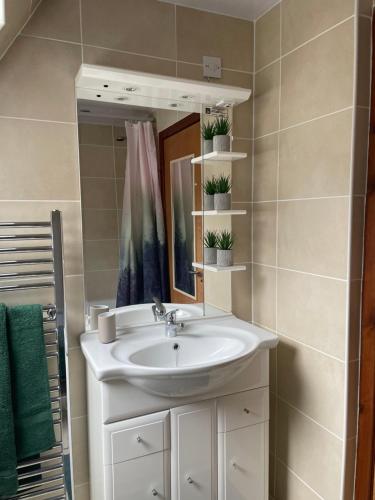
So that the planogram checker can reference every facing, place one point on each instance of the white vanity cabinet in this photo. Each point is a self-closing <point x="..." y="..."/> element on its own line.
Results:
<point x="212" y="447"/>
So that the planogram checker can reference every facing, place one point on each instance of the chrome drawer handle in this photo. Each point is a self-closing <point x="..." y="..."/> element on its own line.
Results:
<point x="246" y="410"/>
<point x="154" y="493"/>
<point x="139" y="439"/>
<point x="189" y="480"/>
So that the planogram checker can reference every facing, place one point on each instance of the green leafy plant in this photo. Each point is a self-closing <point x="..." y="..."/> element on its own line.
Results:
<point x="222" y="126"/>
<point x="209" y="186"/>
<point x="208" y="131"/>
<point x="223" y="184"/>
<point x="225" y="240"/>
<point x="210" y="239"/>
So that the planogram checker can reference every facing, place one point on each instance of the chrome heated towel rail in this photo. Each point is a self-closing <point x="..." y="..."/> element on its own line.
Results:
<point x="40" y="266"/>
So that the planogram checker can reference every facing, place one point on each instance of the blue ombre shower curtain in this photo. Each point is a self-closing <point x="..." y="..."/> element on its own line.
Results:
<point x="143" y="267"/>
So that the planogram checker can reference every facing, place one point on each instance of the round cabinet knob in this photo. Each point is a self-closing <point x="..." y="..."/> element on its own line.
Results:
<point x="189" y="480"/>
<point x="154" y="493"/>
<point x="233" y="464"/>
<point x="139" y="439"/>
<point x="246" y="410"/>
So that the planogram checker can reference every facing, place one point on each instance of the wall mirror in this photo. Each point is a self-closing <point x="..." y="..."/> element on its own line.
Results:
<point x="144" y="210"/>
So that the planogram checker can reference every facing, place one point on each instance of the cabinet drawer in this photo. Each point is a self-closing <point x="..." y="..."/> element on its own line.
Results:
<point x="136" y="437"/>
<point x="243" y="409"/>
<point x="142" y="478"/>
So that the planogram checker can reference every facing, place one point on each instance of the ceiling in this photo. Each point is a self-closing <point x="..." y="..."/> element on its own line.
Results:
<point x="244" y="9"/>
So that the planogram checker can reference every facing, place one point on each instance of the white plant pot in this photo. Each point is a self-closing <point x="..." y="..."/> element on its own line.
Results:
<point x="208" y="146"/>
<point x="221" y="143"/>
<point x="224" y="258"/>
<point x="208" y="201"/>
<point x="210" y="255"/>
<point x="222" y="201"/>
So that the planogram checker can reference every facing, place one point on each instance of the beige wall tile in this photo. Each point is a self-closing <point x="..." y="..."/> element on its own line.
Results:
<point x="313" y="383"/>
<point x="134" y="62"/>
<point x="241" y="229"/>
<point x="266" y="152"/>
<point x="361" y="143"/>
<point x="264" y="233"/>
<point x="120" y="194"/>
<point x="273" y="370"/>
<point x="242" y="172"/>
<point x="310" y="451"/>
<point x="77" y="383"/>
<point x="241" y="294"/>
<point x="228" y="77"/>
<point x="80" y="450"/>
<point x="267" y="37"/>
<point x="312" y="236"/>
<point x="197" y="36"/>
<point x="98" y="193"/>
<point x="120" y="162"/>
<point x="266" y="100"/>
<point x="47" y="159"/>
<point x="75" y="309"/>
<point x="364" y="61"/>
<point x="100" y="224"/>
<point x="82" y="492"/>
<point x="101" y="286"/>
<point x="99" y="135"/>
<point x="44" y="98"/>
<point x="289" y="486"/>
<point x="16" y="14"/>
<point x="357" y="237"/>
<point x="264" y="296"/>
<point x="101" y="255"/>
<point x="40" y="211"/>
<point x="140" y="26"/>
<point x="59" y="19"/>
<point x="243" y="120"/>
<point x="303" y="19"/>
<point x="312" y="310"/>
<point x="96" y="161"/>
<point x="310" y="74"/>
<point x="315" y="158"/>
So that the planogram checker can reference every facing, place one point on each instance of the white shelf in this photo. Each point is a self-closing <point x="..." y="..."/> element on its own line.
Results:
<point x="218" y="269"/>
<point x="219" y="156"/>
<point x="219" y="212"/>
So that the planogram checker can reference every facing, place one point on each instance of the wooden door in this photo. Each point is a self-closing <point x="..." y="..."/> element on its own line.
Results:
<point x="181" y="183"/>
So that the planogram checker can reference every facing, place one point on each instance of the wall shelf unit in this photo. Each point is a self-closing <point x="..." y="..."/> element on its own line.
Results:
<point x="218" y="269"/>
<point x="219" y="156"/>
<point x="219" y="212"/>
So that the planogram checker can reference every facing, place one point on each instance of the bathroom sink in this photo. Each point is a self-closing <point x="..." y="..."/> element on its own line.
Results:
<point x="206" y="354"/>
<point x="141" y="314"/>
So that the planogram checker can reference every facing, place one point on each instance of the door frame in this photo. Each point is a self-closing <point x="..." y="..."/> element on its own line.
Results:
<point x="364" y="481"/>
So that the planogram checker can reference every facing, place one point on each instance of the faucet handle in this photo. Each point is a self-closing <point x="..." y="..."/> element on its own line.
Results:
<point x="170" y="316"/>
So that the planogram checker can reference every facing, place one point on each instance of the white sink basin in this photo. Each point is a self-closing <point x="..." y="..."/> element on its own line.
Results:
<point x="204" y="356"/>
<point x="141" y="314"/>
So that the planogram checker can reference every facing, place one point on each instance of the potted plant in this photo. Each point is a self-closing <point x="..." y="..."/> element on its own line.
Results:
<point x="210" y="250"/>
<point x="209" y="189"/>
<point x="222" y="196"/>
<point x="221" y="141"/>
<point x="208" y="131"/>
<point x="224" y="244"/>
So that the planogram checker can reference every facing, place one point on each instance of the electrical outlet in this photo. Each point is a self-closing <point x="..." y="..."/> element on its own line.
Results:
<point x="211" y="67"/>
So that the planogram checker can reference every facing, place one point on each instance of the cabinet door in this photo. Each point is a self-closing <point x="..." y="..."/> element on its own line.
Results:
<point x="243" y="463"/>
<point x="193" y="452"/>
<point x="142" y="478"/>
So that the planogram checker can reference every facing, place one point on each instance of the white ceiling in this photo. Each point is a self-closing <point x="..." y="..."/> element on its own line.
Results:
<point x="244" y="9"/>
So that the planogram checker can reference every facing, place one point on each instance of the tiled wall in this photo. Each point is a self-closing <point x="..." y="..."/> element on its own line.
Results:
<point x="308" y="200"/>
<point x="39" y="133"/>
<point x="102" y="169"/>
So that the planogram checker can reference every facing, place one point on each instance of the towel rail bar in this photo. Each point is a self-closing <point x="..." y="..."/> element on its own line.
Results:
<point x="51" y="479"/>
<point x="44" y="248"/>
<point x="26" y="224"/>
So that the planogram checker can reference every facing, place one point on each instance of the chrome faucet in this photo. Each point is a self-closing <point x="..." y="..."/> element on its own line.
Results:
<point x="171" y="325"/>
<point x="158" y="309"/>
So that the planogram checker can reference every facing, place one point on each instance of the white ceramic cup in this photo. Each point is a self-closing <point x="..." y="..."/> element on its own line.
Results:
<point x="107" y="327"/>
<point x="95" y="310"/>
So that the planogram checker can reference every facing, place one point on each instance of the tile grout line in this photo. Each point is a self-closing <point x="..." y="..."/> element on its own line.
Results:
<point x="299" y="478"/>
<point x="24" y="118"/>
<point x="305" y="122"/>
<point x="300" y="272"/>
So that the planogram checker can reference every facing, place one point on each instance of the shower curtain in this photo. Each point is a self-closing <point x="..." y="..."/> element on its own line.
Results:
<point x="143" y="267"/>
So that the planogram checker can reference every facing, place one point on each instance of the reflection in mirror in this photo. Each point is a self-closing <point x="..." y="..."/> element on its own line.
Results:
<point x="138" y="193"/>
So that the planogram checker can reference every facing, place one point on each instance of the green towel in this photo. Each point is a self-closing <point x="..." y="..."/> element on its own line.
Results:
<point x="33" y="421"/>
<point x="8" y="458"/>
